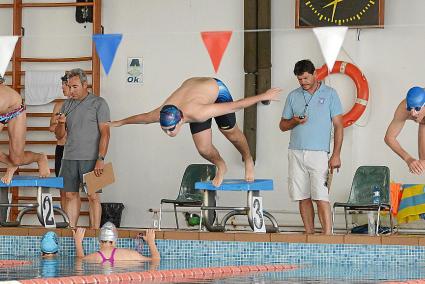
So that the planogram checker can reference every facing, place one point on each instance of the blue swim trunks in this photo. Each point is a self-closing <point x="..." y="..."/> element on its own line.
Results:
<point x="223" y="93"/>
<point x="224" y="122"/>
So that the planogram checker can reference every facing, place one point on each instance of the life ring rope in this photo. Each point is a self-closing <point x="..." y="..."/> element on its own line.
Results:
<point x="361" y="101"/>
<point x="359" y="80"/>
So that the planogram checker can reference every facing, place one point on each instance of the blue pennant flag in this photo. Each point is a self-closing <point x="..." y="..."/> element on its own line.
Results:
<point x="106" y="47"/>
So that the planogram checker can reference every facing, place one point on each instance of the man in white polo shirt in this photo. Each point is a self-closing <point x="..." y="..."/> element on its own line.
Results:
<point x="309" y="112"/>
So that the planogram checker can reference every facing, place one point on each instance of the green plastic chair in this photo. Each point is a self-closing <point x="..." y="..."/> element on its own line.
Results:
<point x="188" y="196"/>
<point x="361" y="194"/>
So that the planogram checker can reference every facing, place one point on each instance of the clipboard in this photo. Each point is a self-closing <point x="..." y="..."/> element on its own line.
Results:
<point x="94" y="183"/>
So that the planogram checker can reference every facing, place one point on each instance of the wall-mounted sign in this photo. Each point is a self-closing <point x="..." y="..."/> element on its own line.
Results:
<point x="135" y="70"/>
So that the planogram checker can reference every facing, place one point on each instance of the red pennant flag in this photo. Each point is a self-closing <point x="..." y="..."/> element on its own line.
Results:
<point x="216" y="43"/>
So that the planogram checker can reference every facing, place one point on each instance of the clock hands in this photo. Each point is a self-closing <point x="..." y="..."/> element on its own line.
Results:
<point x="334" y="3"/>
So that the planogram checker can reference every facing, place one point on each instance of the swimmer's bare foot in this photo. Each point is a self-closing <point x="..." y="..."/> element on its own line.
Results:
<point x="249" y="170"/>
<point x="219" y="175"/>
<point x="7" y="178"/>
<point x="43" y="166"/>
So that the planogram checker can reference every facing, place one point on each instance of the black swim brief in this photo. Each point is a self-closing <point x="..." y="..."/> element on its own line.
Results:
<point x="224" y="122"/>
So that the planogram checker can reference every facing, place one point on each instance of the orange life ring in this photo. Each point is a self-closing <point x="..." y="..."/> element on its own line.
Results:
<point x="361" y="85"/>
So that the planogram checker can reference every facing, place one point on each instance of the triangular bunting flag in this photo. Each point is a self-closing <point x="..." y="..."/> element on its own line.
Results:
<point x="106" y="47"/>
<point x="330" y="41"/>
<point x="216" y="44"/>
<point x="7" y="46"/>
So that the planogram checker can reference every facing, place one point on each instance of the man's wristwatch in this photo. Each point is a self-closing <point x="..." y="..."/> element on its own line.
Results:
<point x="100" y="158"/>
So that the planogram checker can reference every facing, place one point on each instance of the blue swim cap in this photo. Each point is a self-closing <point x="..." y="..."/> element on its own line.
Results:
<point x="49" y="243"/>
<point x="415" y="97"/>
<point x="170" y="115"/>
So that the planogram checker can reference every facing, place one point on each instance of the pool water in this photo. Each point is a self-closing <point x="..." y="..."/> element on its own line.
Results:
<point x="306" y="273"/>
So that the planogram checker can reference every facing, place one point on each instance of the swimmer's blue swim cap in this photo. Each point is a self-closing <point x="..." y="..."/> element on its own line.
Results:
<point x="415" y="98"/>
<point x="49" y="243"/>
<point x="170" y="115"/>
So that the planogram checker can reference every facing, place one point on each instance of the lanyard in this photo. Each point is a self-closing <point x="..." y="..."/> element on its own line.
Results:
<point x="71" y="110"/>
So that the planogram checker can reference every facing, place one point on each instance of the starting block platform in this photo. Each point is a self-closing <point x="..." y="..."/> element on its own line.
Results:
<point x="253" y="190"/>
<point x="42" y="185"/>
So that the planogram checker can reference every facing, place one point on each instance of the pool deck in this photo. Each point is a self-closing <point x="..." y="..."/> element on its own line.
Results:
<point x="237" y="236"/>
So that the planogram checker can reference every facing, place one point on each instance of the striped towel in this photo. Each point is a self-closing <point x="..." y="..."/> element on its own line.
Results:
<point x="412" y="204"/>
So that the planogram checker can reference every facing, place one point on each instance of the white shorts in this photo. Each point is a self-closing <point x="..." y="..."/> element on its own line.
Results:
<point x="307" y="174"/>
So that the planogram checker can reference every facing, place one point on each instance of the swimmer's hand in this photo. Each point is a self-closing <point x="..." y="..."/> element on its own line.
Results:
<point x="150" y="236"/>
<point x="272" y="94"/>
<point x="79" y="234"/>
<point x="416" y="167"/>
<point x="78" y="238"/>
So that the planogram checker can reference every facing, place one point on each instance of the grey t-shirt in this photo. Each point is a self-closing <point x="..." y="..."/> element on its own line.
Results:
<point x="82" y="126"/>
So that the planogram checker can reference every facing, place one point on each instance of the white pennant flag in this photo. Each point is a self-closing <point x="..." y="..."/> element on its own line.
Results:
<point x="7" y="45"/>
<point x="330" y="41"/>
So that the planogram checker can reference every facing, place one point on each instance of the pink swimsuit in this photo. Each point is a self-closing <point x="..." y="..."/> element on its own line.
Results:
<point x="111" y="259"/>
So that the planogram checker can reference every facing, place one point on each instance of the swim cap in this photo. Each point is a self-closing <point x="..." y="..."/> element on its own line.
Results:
<point x="108" y="232"/>
<point x="49" y="243"/>
<point x="170" y="115"/>
<point x="415" y="97"/>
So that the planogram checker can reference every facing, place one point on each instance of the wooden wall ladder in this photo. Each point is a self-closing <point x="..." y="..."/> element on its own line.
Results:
<point x="17" y="73"/>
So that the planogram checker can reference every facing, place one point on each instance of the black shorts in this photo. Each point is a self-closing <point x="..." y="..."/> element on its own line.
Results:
<point x="224" y="122"/>
<point x="58" y="158"/>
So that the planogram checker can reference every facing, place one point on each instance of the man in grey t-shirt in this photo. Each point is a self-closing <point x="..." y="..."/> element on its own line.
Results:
<point x="84" y="119"/>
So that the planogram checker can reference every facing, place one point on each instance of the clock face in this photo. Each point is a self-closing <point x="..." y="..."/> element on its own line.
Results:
<point x="318" y="13"/>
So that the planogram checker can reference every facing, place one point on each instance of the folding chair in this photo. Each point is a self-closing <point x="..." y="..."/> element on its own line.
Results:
<point x="361" y="194"/>
<point x="188" y="196"/>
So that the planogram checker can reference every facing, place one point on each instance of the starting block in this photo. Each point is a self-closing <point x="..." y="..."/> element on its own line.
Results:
<point x="42" y="185"/>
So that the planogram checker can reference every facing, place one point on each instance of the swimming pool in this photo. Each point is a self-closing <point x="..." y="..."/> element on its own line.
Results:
<point x="317" y="262"/>
<point x="318" y="272"/>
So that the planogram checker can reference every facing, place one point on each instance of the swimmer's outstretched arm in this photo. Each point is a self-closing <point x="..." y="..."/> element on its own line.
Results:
<point x="143" y="118"/>
<point x="400" y="116"/>
<point x="78" y="238"/>
<point x="214" y="110"/>
<point x="394" y="130"/>
<point x="150" y="239"/>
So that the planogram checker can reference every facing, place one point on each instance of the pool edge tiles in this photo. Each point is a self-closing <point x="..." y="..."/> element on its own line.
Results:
<point x="228" y="251"/>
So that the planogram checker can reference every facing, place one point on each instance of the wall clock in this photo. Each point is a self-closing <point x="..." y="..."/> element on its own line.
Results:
<point x="351" y="13"/>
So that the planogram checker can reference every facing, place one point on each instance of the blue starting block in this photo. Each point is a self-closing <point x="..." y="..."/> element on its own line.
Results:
<point x="42" y="184"/>
<point x="253" y="190"/>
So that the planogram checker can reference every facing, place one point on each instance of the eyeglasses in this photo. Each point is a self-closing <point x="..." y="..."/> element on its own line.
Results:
<point x="417" y="109"/>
